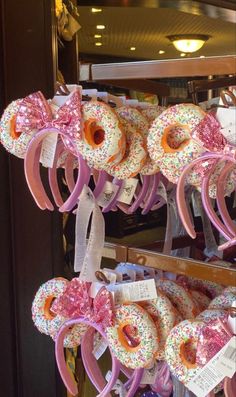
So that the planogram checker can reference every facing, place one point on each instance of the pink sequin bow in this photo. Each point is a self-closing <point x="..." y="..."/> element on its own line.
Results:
<point x="35" y="113"/>
<point x="213" y="338"/>
<point x="208" y="133"/>
<point x="76" y="302"/>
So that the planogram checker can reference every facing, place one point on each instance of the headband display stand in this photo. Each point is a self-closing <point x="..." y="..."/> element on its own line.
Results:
<point x="126" y="75"/>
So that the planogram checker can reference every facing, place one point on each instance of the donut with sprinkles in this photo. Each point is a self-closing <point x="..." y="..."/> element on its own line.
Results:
<point x="223" y="301"/>
<point x="152" y="112"/>
<point x="14" y="141"/>
<point x="164" y="315"/>
<point x="102" y="139"/>
<point x="142" y="351"/>
<point x="134" y="157"/>
<point x="212" y="314"/>
<point x="179" y="297"/>
<point x="44" y="318"/>
<point x="170" y="142"/>
<point x="138" y="121"/>
<point x="181" y="348"/>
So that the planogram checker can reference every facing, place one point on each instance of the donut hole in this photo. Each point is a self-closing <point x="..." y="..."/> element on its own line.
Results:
<point x="49" y="314"/>
<point x="188" y="351"/>
<point x="128" y="336"/>
<point x="14" y="134"/>
<point x="94" y="133"/>
<point x="175" y="137"/>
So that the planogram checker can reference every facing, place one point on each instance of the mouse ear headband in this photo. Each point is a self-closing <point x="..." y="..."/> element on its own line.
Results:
<point x="36" y="113"/>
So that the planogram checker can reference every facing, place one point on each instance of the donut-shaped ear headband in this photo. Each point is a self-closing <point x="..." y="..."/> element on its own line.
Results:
<point x="90" y="362"/>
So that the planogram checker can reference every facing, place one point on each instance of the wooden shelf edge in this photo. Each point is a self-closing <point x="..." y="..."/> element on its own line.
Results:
<point x="182" y="266"/>
<point x="190" y="67"/>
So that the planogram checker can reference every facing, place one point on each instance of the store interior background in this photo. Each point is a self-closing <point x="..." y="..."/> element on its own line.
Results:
<point x="31" y="240"/>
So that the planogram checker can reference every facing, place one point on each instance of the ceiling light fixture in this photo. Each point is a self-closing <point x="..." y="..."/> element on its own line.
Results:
<point x="188" y="43"/>
<point x="94" y="10"/>
<point x="161" y="52"/>
<point x="132" y="48"/>
<point x="98" y="44"/>
<point x="97" y="36"/>
<point x="100" y="27"/>
<point x="183" y="54"/>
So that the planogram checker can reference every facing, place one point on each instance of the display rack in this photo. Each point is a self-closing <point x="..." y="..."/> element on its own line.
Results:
<point x="191" y="67"/>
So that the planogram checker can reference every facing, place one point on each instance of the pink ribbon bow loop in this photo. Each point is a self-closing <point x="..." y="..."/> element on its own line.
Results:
<point x="103" y="308"/>
<point x="35" y="113"/>
<point x="214" y="337"/>
<point x="207" y="132"/>
<point x="76" y="302"/>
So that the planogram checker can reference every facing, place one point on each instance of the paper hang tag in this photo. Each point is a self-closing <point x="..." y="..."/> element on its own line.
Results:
<point x="118" y="100"/>
<point x="150" y="375"/>
<point x="196" y="203"/>
<point x="227" y="120"/>
<point x="103" y="95"/>
<point x="134" y="291"/>
<point x="107" y="195"/>
<point x="232" y="320"/>
<point x="227" y="362"/>
<point x="92" y="93"/>
<point x="206" y="105"/>
<point x="215" y="370"/>
<point x="119" y="387"/>
<point x="161" y="191"/>
<point x="48" y="150"/>
<point x="127" y="191"/>
<point x="88" y="256"/>
<point x="83" y="213"/>
<point x="100" y="347"/>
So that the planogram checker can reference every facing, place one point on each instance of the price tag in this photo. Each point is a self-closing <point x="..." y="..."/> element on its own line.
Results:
<point x="106" y="196"/>
<point x="100" y="347"/>
<point x="150" y="375"/>
<point x="48" y="150"/>
<point x="134" y="291"/>
<point x="127" y="191"/>
<point x="227" y="362"/>
<point x="227" y="120"/>
<point x="220" y="366"/>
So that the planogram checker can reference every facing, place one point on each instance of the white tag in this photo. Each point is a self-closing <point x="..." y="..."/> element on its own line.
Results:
<point x="232" y="320"/>
<point x="118" y="100"/>
<point x="92" y="93"/>
<point x="103" y="95"/>
<point x="227" y="120"/>
<point x="119" y="387"/>
<point x="215" y="370"/>
<point x="206" y="105"/>
<point x="108" y="192"/>
<point x="161" y="191"/>
<point x="127" y="191"/>
<point x="132" y="102"/>
<point x="134" y="292"/>
<point x="196" y="203"/>
<point x="48" y="150"/>
<point x="227" y="362"/>
<point x="149" y="375"/>
<point x="99" y="348"/>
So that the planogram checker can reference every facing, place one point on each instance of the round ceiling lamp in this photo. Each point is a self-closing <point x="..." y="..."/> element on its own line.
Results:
<point x="188" y="43"/>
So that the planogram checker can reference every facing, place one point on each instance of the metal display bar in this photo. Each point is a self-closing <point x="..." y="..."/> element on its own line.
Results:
<point x="189" y="67"/>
